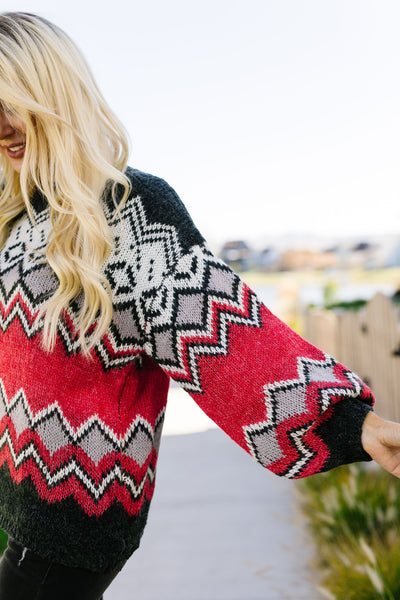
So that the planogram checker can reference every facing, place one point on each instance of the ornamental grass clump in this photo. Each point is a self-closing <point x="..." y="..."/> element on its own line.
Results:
<point x="354" y="518"/>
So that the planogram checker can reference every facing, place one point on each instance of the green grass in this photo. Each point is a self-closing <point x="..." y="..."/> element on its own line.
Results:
<point x="353" y="515"/>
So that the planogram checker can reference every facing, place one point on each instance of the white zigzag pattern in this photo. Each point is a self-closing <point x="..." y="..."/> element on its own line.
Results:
<point x="208" y="328"/>
<point x="30" y="328"/>
<point x="73" y="468"/>
<point x="305" y="454"/>
<point x="129" y="352"/>
<point x="327" y="393"/>
<point x="75" y="436"/>
<point x="218" y="349"/>
<point x="143" y="232"/>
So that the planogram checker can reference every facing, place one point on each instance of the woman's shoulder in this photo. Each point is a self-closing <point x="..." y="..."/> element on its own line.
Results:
<point x="156" y="204"/>
<point x="150" y="186"/>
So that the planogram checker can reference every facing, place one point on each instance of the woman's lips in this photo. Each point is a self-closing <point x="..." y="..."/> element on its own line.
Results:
<point x="16" y="151"/>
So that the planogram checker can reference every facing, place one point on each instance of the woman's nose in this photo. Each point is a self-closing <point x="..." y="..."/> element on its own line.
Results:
<point x="6" y="129"/>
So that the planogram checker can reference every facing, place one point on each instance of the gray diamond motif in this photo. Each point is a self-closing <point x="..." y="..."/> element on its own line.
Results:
<point x="126" y="323"/>
<point x="19" y="418"/>
<point x="286" y="403"/>
<point x="164" y="346"/>
<point x="221" y="281"/>
<point x="10" y="278"/>
<point x="96" y="445"/>
<point x="52" y="434"/>
<point x="266" y="446"/>
<point x="40" y="282"/>
<point x="139" y="447"/>
<point x="190" y="309"/>
<point x="318" y="373"/>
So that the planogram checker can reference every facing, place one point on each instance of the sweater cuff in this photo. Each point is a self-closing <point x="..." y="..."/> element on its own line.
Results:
<point x="342" y="433"/>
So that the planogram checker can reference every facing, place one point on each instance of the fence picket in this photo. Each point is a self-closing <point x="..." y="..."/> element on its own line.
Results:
<point x="367" y="342"/>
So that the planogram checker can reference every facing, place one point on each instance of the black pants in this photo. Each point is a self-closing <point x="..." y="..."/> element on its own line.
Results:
<point x="26" y="576"/>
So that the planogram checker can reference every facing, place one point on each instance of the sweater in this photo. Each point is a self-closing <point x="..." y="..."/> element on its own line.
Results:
<point x="79" y="438"/>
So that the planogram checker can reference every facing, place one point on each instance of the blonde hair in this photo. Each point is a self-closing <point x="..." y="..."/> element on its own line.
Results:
<point x="76" y="152"/>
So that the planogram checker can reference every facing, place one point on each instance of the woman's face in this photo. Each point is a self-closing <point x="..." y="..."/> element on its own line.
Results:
<point x="12" y="138"/>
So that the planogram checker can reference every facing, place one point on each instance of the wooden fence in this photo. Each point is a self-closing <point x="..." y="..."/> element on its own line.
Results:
<point x="368" y="342"/>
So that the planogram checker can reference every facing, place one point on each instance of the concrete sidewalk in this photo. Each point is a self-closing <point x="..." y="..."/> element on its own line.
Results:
<point x="220" y="528"/>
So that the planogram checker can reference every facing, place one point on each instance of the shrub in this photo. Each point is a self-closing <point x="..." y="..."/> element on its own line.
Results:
<point x="353" y="514"/>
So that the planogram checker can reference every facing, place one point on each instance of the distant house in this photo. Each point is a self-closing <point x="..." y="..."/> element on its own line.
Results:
<point x="236" y="254"/>
<point x="293" y="260"/>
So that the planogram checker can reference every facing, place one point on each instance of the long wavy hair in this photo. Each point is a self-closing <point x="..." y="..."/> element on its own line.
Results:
<point x="76" y="152"/>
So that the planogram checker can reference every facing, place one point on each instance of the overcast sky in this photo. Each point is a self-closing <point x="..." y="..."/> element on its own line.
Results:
<point x="266" y="116"/>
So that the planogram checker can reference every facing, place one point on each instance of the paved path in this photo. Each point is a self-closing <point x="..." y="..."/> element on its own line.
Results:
<point x="220" y="528"/>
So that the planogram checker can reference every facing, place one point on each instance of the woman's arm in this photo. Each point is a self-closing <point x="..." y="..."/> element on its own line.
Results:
<point x="292" y="407"/>
<point x="295" y="409"/>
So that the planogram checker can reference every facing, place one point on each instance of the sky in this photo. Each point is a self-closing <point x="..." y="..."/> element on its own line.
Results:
<point x="268" y="117"/>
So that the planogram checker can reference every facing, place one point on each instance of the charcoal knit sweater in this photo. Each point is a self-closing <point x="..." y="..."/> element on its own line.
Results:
<point x="79" y="438"/>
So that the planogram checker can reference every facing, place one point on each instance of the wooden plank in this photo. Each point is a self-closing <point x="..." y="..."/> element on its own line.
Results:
<point x="383" y="337"/>
<point x="366" y="342"/>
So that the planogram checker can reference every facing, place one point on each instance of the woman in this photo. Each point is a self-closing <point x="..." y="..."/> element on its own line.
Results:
<point x="107" y="290"/>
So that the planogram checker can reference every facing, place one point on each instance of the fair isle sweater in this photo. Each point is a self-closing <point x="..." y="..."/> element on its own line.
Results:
<point x="79" y="438"/>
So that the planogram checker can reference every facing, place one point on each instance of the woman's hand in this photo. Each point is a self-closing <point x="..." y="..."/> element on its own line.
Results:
<point x="381" y="439"/>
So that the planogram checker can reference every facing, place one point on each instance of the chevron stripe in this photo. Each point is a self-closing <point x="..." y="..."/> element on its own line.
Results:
<point x="233" y="303"/>
<point x="74" y="469"/>
<point x="135" y="447"/>
<point x="287" y="404"/>
<point x="304" y="451"/>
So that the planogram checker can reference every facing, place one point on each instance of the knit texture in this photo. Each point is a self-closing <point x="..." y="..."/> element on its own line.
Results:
<point x="79" y="439"/>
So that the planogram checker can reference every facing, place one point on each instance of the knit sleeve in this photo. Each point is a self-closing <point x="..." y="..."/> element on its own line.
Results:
<point x="291" y="406"/>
